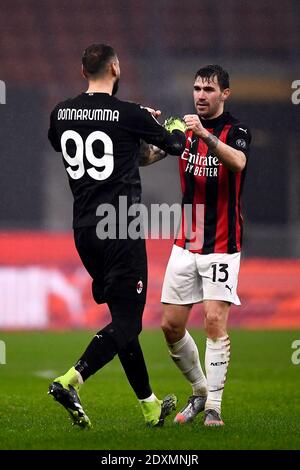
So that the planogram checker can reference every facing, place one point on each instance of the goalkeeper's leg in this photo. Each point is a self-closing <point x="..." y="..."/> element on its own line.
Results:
<point x="153" y="409"/>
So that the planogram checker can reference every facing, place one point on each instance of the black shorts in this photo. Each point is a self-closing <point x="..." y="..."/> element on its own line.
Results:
<point x="118" y="267"/>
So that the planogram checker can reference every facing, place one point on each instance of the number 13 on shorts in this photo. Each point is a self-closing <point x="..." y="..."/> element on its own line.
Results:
<point x="223" y="277"/>
<point x="220" y="272"/>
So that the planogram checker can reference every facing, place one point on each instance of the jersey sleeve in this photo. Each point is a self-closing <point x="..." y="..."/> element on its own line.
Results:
<point x="52" y="133"/>
<point x="239" y="137"/>
<point x="140" y="122"/>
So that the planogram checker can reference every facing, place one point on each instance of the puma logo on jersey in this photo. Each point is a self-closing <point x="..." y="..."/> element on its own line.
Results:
<point x="229" y="288"/>
<point x="244" y="130"/>
<point x="190" y="140"/>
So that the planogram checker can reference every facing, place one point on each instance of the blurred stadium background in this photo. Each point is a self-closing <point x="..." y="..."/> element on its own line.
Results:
<point x="160" y="44"/>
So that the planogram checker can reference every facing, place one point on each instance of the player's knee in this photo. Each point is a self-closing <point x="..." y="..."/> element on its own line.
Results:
<point x="127" y="319"/>
<point x="167" y="326"/>
<point x="214" y="323"/>
<point x="172" y="330"/>
<point x="213" y="318"/>
<point x="138" y="327"/>
<point x="123" y="332"/>
<point x="130" y="330"/>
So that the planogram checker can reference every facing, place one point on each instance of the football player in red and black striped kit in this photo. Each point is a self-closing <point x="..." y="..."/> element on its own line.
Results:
<point x="205" y="259"/>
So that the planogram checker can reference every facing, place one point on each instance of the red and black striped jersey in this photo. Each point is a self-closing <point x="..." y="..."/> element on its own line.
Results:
<point x="211" y="219"/>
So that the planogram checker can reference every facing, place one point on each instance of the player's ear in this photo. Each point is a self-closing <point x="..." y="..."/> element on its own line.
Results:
<point x="83" y="72"/>
<point x="225" y="94"/>
<point x="113" y="66"/>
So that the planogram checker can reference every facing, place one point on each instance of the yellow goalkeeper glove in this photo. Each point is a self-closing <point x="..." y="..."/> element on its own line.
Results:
<point x="174" y="124"/>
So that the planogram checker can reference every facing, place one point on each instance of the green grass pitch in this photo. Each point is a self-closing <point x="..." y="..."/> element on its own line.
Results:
<point x="261" y="405"/>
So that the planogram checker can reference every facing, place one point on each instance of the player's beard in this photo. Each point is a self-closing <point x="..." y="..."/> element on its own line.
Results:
<point x="116" y="86"/>
<point x="211" y="110"/>
<point x="209" y="113"/>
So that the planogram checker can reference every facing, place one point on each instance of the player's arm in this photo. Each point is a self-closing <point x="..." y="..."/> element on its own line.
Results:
<point x="233" y="158"/>
<point x="144" y="125"/>
<point x="52" y="134"/>
<point x="150" y="154"/>
<point x="171" y="142"/>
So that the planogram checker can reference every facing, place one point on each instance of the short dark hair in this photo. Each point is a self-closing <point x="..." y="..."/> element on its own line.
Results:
<point x="211" y="71"/>
<point x="96" y="57"/>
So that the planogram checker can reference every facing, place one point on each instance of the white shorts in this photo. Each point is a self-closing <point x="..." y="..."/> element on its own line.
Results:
<point x="192" y="277"/>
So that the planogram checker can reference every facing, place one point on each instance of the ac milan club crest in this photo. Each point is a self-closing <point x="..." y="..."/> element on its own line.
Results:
<point x="139" y="287"/>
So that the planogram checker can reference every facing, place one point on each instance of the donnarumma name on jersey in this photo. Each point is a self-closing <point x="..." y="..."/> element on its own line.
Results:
<point x="85" y="114"/>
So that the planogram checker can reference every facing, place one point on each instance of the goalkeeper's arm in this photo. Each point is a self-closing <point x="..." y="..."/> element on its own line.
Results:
<point x="175" y="143"/>
<point x="150" y="154"/>
<point x="170" y="137"/>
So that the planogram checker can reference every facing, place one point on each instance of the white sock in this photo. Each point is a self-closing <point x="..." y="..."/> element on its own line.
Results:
<point x="216" y="363"/>
<point x="149" y="399"/>
<point x="79" y="377"/>
<point x="186" y="356"/>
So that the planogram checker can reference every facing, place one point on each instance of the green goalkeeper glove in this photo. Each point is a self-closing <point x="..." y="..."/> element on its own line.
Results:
<point x="174" y="124"/>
